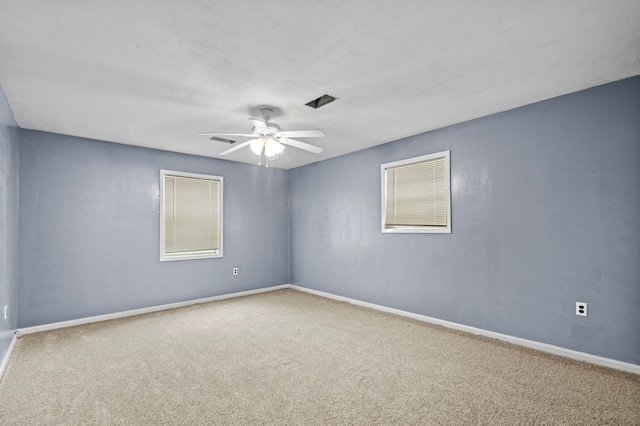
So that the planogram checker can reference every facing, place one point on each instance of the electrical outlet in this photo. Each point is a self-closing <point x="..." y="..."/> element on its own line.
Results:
<point x="581" y="309"/>
<point x="6" y="311"/>
<point x="235" y="271"/>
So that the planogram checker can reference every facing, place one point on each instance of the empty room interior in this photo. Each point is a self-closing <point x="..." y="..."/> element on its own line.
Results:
<point x="292" y="212"/>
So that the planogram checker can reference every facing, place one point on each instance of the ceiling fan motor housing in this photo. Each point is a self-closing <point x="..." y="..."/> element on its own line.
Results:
<point x="272" y="127"/>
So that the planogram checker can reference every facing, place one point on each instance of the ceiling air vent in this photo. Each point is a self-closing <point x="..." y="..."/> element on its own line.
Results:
<point x="321" y="101"/>
<point x="215" y="138"/>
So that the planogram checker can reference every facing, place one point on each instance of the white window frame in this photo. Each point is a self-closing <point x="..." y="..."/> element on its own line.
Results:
<point x="192" y="255"/>
<point x="416" y="229"/>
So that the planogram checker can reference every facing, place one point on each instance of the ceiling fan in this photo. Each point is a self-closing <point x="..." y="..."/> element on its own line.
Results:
<point x="269" y="139"/>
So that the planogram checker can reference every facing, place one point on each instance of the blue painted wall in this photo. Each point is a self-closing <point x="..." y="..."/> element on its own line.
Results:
<point x="89" y="229"/>
<point x="9" y="163"/>
<point x="546" y="212"/>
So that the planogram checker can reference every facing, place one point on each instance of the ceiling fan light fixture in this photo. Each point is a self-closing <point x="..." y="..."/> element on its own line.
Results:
<point x="272" y="147"/>
<point x="269" y="146"/>
<point x="256" y="146"/>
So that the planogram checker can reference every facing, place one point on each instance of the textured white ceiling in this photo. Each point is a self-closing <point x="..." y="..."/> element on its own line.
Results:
<point x="156" y="74"/>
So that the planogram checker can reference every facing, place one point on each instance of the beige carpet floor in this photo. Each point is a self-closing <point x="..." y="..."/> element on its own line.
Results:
<point x="287" y="357"/>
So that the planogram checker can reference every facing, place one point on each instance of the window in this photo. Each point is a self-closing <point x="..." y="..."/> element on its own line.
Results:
<point x="190" y="216"/>
<point x="416" y="194"/>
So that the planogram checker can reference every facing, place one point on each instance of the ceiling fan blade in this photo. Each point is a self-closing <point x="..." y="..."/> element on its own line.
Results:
<point x="226" y="134"/>
<point x="301" y="145"/>
<point x="235" y="148"/>
<point x="315" y="133"/>
<point x="259" y="125"/>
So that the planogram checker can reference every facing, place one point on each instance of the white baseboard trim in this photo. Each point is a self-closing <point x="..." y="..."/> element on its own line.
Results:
<point x="5" y="361"/>
<point x="123" y="314"/>
<point x="544" y="347"/>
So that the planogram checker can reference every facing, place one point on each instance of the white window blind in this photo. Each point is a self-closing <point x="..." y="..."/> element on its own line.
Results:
<point x="416" y="195"/>
<point x="191" y="216"/>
